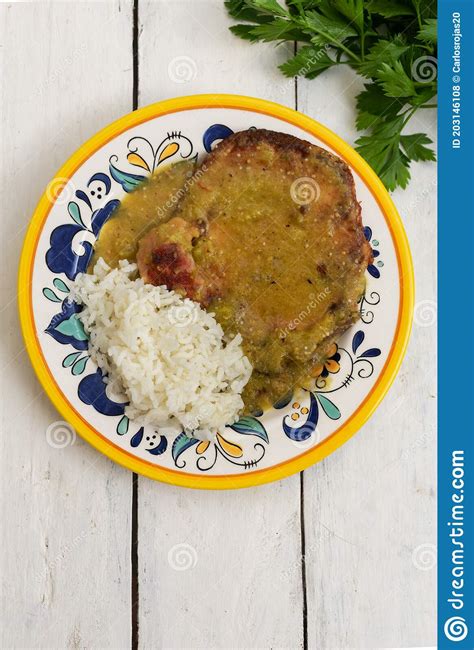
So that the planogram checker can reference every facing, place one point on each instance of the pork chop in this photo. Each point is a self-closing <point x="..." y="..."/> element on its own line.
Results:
<point x="270" y="238"/>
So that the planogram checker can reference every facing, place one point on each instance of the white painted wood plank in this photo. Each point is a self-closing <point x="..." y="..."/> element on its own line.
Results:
<point x="244" y="590"/>
<point x="370" y="508"/>
<point x="66" y="72"/>
<point x="186" y="48"/>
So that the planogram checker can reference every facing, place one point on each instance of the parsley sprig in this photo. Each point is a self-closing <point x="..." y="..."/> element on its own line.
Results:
<point x="391" y="43"/>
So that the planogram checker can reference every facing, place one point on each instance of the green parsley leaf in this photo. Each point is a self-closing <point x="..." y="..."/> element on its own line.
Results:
<point x="383" y="51"/>
<point x="240" y="10"/>
<point x="365" y="120"/>
<point x="389" y="9"/>
<point x="277" y="29"/>
<point x="373" y="100"/>
<point x="376" y="152"/>
<point x="353" y="10"/>
<point x="244" y="31"/>
<point x="397" y="172"/>
<point x="429" y="31"/>
<point x="380" y="40"/>
<point x="303" y="5"/>
<point x="268" y="7"/>
<point x="333" y="30"/>
<point x="308" y="62"/>
<point x="395" y="81"/>
<point x="387" y="159"/>
<point x="414" y="146"/>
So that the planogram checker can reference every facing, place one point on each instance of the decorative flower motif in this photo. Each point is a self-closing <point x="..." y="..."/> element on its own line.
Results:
<point x="98" y="186"/>
<point x="92" y="390"/>
<point x="202" y="447"/>
<point x="235" y="453"/>
<point x="305" y="430"/>
<point x="75" y="362"/>
<point x="299" y="410"/>
<point x="372" y="268"/>
<point x="142" y="154"/>
<point x="153" y="445"/>
<point x="71" y="245"/>
<point x="229" y="448"/>
<point x="215" y="134"/>
<point x="331" y="365"/>
<point x="66" y="328"/>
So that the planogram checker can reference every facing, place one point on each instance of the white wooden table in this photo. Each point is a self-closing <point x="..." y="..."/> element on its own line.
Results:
<point x="342" y="556"/>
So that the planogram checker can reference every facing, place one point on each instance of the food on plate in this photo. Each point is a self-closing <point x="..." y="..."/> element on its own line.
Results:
<point x="166" y="353"/>
<point x="166" y="256"/>
<point x="152" y="202"/>
<point x="266" y="235"/>
<point x="269" y="239"/>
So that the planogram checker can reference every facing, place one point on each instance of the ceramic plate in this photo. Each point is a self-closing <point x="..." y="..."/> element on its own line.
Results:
<point x="300" y="429"/>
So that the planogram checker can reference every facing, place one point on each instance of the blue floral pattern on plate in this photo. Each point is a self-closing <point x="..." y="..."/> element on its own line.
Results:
<point x="70" y="251"/>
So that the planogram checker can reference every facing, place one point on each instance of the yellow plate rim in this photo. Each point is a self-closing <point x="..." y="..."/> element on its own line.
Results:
<point x="386" y="377"/>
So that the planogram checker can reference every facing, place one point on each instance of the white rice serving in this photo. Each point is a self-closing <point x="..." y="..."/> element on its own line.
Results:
<point x="167" y="354"/>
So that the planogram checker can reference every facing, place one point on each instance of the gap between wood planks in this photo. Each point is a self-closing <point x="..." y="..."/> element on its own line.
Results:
<point x="302" y="523"/>
<point x="134" y="540"/>
<point x="135" y="477"/>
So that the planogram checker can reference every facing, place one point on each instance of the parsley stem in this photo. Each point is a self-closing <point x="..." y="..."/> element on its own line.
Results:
<point x="348" y="52"/>
<point x="339" y="45"/>
<point x="418" y="16"/>
<point x="409" y="114"/>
